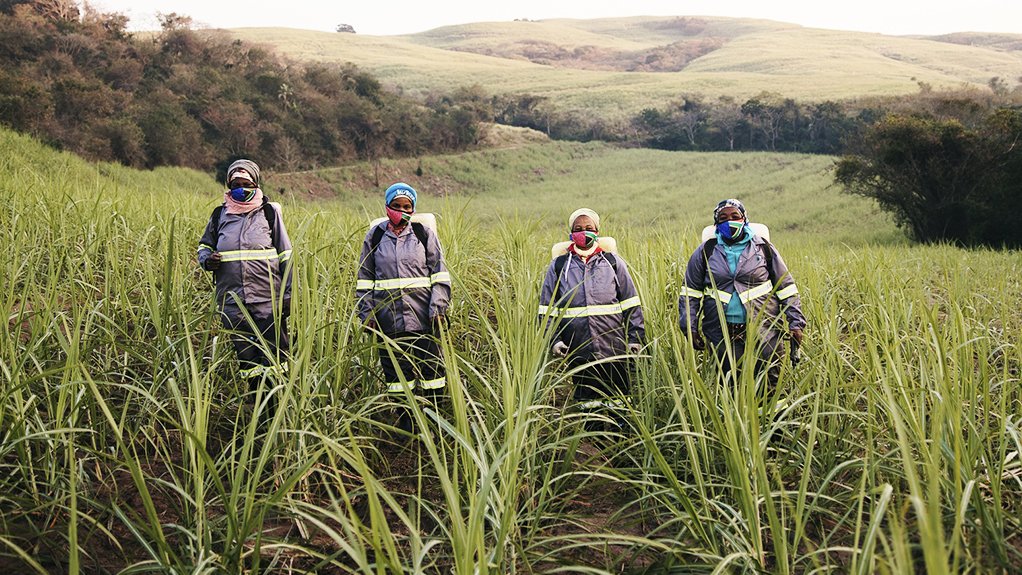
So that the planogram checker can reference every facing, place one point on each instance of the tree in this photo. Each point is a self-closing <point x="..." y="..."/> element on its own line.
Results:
<point x="941" y="180"/>
<point x="345" y="28"/>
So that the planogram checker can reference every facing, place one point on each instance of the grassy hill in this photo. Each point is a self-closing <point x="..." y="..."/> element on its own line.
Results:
<point x="129" y="443"/>
<point x="618" y="66"/>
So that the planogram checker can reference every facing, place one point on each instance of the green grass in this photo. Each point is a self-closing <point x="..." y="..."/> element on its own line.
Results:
<point x="807" y="64"/>
<point x="127" y="445"/>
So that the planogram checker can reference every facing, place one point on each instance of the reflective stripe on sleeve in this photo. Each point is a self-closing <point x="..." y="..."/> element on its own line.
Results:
<point x="364" y="284"/>
<point x="440" y="277"/>
<point x="630" y="303"/>
<point x="787" y="292"/>
<point x="205" y="247"/>
<point x="248" y="255"/>
<point x="691" y="292"/>
<point x="285" y="255"/>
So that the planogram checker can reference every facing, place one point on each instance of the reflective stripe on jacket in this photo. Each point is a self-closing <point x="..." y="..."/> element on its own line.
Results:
<point x="253" y="264"/>
<point x="597" y="310"/>
<point x="706" y="285"/>
<point x="403" y="284"/>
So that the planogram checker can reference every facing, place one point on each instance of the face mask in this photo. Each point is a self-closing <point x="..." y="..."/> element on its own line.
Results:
<point x="397" y="217"/>
<point x="731" y="229"/>
<point x="583" y="240"/>
<point x="243" y="194"/>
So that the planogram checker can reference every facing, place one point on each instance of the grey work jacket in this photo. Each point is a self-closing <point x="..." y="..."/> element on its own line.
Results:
<point x="403" y="284"/>
<point x="253" y="267"/>
<point x="597" y="310"/>
<point x="707" y="287"/>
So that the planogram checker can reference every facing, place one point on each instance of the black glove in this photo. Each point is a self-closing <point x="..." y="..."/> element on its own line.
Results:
<point x="212" y="262"/>
<point x="697" y="342"/>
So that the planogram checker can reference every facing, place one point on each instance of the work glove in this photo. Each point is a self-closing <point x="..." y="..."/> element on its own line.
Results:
<point x="212" y="262"/>
<point x="560" y="349"/>
<point x="635" y="348"/>
<point x="697" y="342"/>
<point x="369" y="323"/>
<point x="438" y="321"/>
<point x="796" y="344"/>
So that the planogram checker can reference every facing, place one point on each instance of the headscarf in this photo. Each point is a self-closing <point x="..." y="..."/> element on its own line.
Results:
<point x="250" y="171"/>
<point x="400" y="189"/>
<point x="729" y="203"/>
<point x="584" y="212"/>
<point x="250" y="167"/>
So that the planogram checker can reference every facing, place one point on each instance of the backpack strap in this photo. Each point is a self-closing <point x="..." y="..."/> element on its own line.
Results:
<point x="562" y="259"/>
<point x="271" y="220"/>
<point x="418" y="229"/>
<point x="768" y="254"/>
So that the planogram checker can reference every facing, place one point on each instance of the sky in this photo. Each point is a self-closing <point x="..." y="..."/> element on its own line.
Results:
<point x="382" y="17"/>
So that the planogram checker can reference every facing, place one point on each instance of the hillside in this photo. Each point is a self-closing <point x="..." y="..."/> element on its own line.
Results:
<point x="619" y="66"/>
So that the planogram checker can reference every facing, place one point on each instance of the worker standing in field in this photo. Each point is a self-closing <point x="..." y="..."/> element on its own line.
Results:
<point x="740" y="274"/>
<point x="589" y="301"/>
<point x="246" y="247"/>
<point x="403" y="291"/>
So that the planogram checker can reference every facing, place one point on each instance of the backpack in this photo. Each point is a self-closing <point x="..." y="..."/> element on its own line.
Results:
<point x="419" y="224"/>
<point x="710" y="242"/>
<point x="608" y="245"/>
<point x="267" y="208"/>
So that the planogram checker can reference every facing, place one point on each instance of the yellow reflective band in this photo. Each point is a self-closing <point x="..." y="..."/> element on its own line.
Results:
<point x="690" y="292"/>
<point x="755" y="292"/>
<point x="433" y="383"/>
<point x="250" y="372"/>
<point x="630" y="303"/>
<point x="440" y="277"/>
<point x="248" y="255"/>
<point x="787" y="292"/>
<point x="402" y="283"/>
<point x="591" y="310"/>
<point x="205" y="247"/>
<point x="400" y="386"/>
<point x="285" y="255"/>
<point x="364" y="284"/>
<point x="721" y="296"/>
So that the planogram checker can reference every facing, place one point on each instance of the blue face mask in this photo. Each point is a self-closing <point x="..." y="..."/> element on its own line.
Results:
<point x="731" y="229"/>
<point x="243" y="194"/>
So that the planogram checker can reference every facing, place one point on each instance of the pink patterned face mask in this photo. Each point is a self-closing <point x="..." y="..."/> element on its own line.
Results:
<point x="397" y="217"/>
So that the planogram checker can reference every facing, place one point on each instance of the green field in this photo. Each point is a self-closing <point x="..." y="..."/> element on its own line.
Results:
<point x="125" y="443"/>
<point x="583" y="64"/>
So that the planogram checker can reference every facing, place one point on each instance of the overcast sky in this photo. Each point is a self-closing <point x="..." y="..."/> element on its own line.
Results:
<point x="378" y="17"/>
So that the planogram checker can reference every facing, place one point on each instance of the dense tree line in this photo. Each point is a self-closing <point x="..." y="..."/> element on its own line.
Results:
<point x="75" y="78"/>
<point x="952" y="177"/>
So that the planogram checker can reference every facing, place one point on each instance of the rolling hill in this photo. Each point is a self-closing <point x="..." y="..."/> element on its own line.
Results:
<point x="618" y="66"/>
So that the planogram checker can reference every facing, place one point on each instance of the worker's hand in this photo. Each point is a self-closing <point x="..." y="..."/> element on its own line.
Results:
<point x="697" y="342"/>
<point x="370" y="323"/>
<point x="560" y="349"/>
<point x="212" y="262"/>
<point x="635" y="348"/>
<point x="796" y="335"/>
<point x="438" y="321"/>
